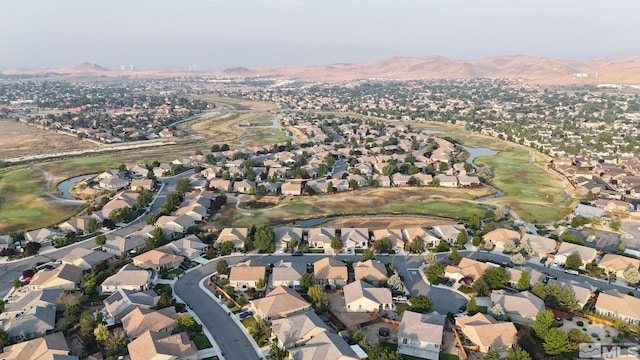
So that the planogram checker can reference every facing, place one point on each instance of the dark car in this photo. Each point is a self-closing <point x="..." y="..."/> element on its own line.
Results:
<point x="462" y="308"/>
<point x="297" y="253"/>
<point x="245" y="314"/>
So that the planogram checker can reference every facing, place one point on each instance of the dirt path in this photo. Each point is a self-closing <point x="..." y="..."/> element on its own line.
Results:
<point x="48" y="193"/>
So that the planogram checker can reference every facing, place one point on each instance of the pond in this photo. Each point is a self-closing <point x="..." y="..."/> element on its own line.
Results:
<point x="478" y="152"/>
<point x="66" y="185"/>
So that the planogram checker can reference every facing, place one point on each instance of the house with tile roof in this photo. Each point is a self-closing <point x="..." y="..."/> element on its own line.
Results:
<point x="467" y="268"/>
<point x="587" y="254"/>
<point x="360" y="296"/>
<point x="617" y="264"/>
<point x="321" y="237"/>
<point x="429" y="239"/>
<point x="154" y="345"/>
<point x="284" y="235"/>
<point x="540" y="245"/>
<point x="86" y="259"/>
<point x="420" y="335"/>
<point x="614" y="304"/>
<point x="191" y="247"/>
<point x="522" y="307"/>
<point x="355" y="238"/>
<point x="278" y="303"/>
<point x="44" y="236"/>
<point x="123" y="301"/>
<point x="140" y="320"/>
<point x="296" y="330"/>
<point x="329" y="271"/>
<point x="324" y="346"/>
<point x="395" y="235"/>
<point x="287" y="274"/>
<point x="372" y="271"/>
<point x="64" y="277"/>
<point x="498" y="237"/>
<point x="448" y="233"/>
<point x="53" y="346"/>
<point x="129" y="277"/>
<point x="237" y="236"/>
<point x="246" y="275"/>
<point x="488" y="333"/>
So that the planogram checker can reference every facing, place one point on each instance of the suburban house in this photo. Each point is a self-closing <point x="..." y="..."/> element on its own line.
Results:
<point x="420" y="335"/>
<point x="488" y="333"/>
<point x="85" y="259"/>
<point x="395" y="235"/>
<point x="141" y="184"/>
<point x="284" y="235"/>
<point x="246" y="274"/>
<point x="155" y="345"/>
<point x="287" y="274"/>
<point x="448" y="233"/>
<point x="323" y="346"/>
<point x="370" y="271"/>
<point x="522" y="307"/>
<point x="612" y="303"/>
<point x="355" y="238"/>
<point x="296" y="330"/>
<point x="588" y="211"/>
<point x="122" y="246"/>
<point x="113" y="183"/>
<point x="468" y="180"/>
<point x="444" y="180"/>
<point x="53" y="346"/>
<point x="583" y="291"/>
<point x="278" y="303"/>
<point x="123" y="301"/>
<point x="237" y="236"/>
<point x="360" y="296"/>
<point x="64" y="277"/>
<point x="429" y="239"/>
<point x="79" y="224"/>
<point x="140" y="320"/>
<point x="291" y="188"/>
<point x="330" y="272"/>
<point x="194" y="210"/>
<point x="128" y="277"/>
<point x="321" y="237"/>
<point x="540" y="245"/>
<point x="617" y="264"/>
<point x="219" y="184"/>
<point x="176" y="224"/>
<point x="498" y="237"/>
<point x="467" y="268"/>
<point x="157" y="260"/>
<point x="37" y="322"/>
<point x="587" y="254"/>
<point x="28" y="302"/>
<point x="191" y="247"/>
<point x="44" y="236"/>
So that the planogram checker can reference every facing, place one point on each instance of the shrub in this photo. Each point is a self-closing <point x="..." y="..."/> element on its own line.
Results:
<point x="579" y="323"/>
<point x="568" y="317"/>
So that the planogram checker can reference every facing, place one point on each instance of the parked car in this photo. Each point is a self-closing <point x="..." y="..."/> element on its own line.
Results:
<point x="297" y="253"/>
<point x="543" y="260"/>
<point x="245" y="314"/>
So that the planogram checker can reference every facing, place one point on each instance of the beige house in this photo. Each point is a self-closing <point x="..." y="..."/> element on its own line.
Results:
<point x="64" y="277"/>
<point x="128" y="277"/>
<point x="522" y="307"/>
<point x="448" y="233"/>
<point x="498" y="237"/>
<point x="617" y="264"/>
<point x="360" y="296"/>
<point x="162" y="346"/>
<point x="144" y="184"/>
<point x="284" y="235"/>
<point x="190" y="247"/>
<point x="140" y="320"/>
<point x="291" y="188"/>
<point x="44" y="236"/>
<point x="287" y="274"/>
<point x="157" y="260"/>
<point x="371" y="271"/>
<point x="28" y="302"/>
<point x="246" y="274"/>
<point x="123" y="301"/>
<point x="395" y="235"/>
<point x="280" y="302"/>
<point x="355" y="238"/>
<point x="420" y="335"/>
<point x="587" y="254"/>
<point x="488" y="333"/>
<point x="49" y="347"/>
<point x="429" y="239"/>
<point x="237" y="236"/>
<point x="124" y="245"/>
<point x="614" y="304"/>
<point x="466" y="268"/>
<point x="540" y="245"/>
<point x="176" y="224"/>
<point x="331" y="272"/>
<point x="296" y="330"/>
<point x="321" y="237"/>
<point x="85" y="259"/>
<point x="324" y="346"/>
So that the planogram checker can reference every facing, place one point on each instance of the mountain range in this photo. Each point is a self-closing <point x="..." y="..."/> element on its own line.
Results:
<point x="526" y="68"/>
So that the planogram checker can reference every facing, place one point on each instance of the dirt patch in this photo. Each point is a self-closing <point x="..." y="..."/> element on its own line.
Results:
<point x="386" y="222"/>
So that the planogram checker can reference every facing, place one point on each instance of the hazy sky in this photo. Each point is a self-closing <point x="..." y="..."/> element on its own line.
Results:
<point x="215" y="34"/>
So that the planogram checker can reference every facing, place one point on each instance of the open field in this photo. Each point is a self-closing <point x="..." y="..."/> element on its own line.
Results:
<point x="386" y="222"/>
<point x="239" y="104"/>
<point x="377" y="201"/>
<point x="19" y="139"/>
<point x="537" y="213"/>
<point x="22" y="206"/>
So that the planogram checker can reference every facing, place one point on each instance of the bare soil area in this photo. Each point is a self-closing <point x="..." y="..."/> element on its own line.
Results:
<point x="18" y="139"/>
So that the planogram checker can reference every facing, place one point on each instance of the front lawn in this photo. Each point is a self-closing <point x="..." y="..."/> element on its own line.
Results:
<point x="465" y="289"/>
<point x="201" y="341"/>
<point x="401" y="307"/>
<point x="171" y="274"/>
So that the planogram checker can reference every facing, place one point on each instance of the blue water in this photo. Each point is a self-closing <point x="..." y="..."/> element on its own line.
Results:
<point x="478" y="152"/>
<point x="65" y="186"/>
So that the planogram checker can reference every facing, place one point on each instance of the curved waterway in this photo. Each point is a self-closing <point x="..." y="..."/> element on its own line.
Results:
<point x="65" y="186"/>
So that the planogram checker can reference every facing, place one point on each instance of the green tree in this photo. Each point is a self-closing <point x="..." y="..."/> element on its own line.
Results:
<point x="317" y="294"/>
<point x="496" y="277"/>
<point x="481" y="287"/>
<point x="159" y="238"/>
<point x="454" y="255"/>
<point x="117" y="339"/>
<point x="421" y="304"/>
<point x="264" y="238"/>
<point x="101" y="333"/>
<point x="523" y="282"/>
<point x="417" y="245"/>
<point x="573" y="261"/>
<point x="307" y="281"/>
<point x="472" y="306"/>
<point x="87" y="323"/>
<point x="379" y="352"/>
<point x="462" y="238"/>
<point x="17" y="283"/>
<point x="576" y="336"/>
<point x="557" y="342"/>
<point x="336" y="244"/>
<point x="260" y="284"/>
<point x="615" y="224"/>
<point x="101" y="239"/>
<point x="277" y="353"/>
<point x="491" y="355"/>
<point x="222" y="266"/>
<point x="474" y="222"/>
<point x="226" y="248"/>
<point x="367" y="254"/>
<point x="151" y="219"/>
<point x="543" y="323"/>
<point x="183" y="186"/>
<point x="567" y="300"/>
<point x="517" y="353"/>
<point x="518" y="259"/>
<point x="186" y="323"/>
<point x="383" y="246"/>
<point x="434" y="272"/>
<point x="430" y="257"/>
<point x="476" y="241"/>
<point x="92" y="224"/>
<point x="72" y="313"/>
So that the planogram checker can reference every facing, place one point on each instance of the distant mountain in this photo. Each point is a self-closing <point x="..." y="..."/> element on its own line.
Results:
<point x="525" y="68"/>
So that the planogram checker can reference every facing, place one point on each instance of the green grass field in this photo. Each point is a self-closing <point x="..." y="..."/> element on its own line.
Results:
<point x="22" y="206"/>
<point x="201" y="342"/>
